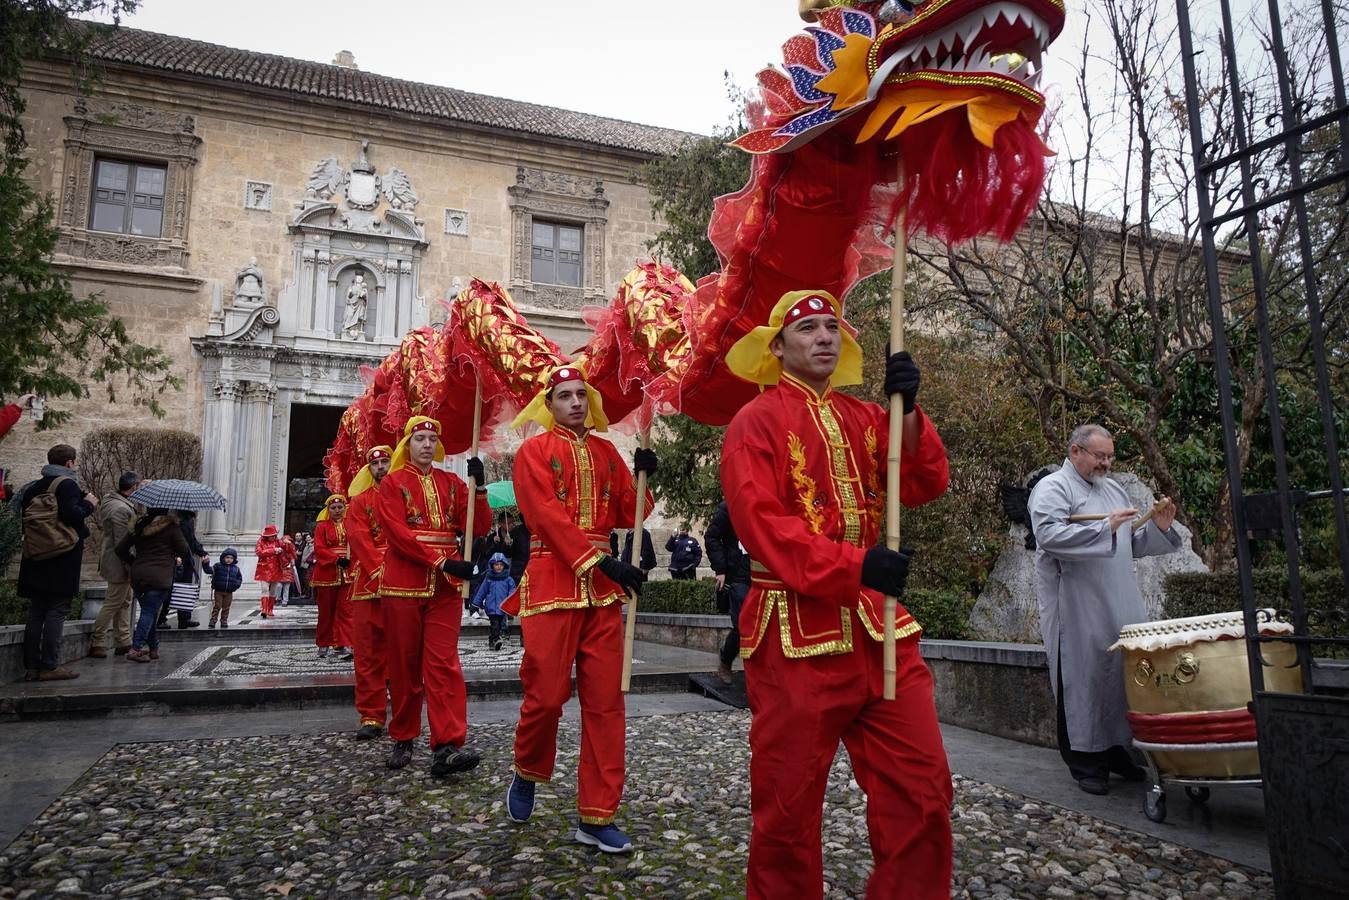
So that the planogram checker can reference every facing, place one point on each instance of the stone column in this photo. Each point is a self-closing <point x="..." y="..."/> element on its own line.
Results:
<point x="219" y="452"/>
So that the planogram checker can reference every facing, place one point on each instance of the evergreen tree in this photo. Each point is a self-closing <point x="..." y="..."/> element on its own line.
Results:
<point x="55" y="343"/>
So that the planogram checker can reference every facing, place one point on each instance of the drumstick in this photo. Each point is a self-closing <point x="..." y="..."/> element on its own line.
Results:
<point x="1088" y="517"/>
<point x="1143" y="519"/>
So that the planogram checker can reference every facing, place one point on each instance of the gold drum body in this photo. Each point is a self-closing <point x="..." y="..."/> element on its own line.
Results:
<point x="1199" y="665"/>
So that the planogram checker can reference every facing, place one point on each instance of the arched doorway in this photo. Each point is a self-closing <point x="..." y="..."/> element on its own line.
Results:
<point x="312" y="430"/>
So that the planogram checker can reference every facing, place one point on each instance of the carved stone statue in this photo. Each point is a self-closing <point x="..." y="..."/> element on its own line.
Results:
<point x="326" y="180"/>
<point x="357" y="295"/>
<point x="398" y="190"/>
<point x="250" y="287"/>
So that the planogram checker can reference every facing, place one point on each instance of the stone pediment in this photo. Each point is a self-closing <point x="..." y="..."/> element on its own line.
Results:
<point x="359" y="198"/>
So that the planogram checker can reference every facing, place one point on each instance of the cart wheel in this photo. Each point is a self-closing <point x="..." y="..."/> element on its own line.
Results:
<point x="1154" y="805"/>
<point x="1197" y="794"/>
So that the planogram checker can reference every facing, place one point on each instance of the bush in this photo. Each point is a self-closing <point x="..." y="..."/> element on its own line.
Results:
<point x="13" y="608"/>
<point x="699" y="597"/>
<point x="944" y="614"/>
<point x="1206" y="593"/>
<point x="153" y="452"/>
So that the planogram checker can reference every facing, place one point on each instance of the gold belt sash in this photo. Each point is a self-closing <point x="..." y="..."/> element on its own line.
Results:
<point x="443" y="539"/>
<point x="596" y="541"/>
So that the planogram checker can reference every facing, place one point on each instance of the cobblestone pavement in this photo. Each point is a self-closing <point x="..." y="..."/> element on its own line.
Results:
<point x="310" y="816"/>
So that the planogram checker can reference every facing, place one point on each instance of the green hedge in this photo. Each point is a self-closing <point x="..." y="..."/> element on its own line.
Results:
<point x="673" y="596"/>
<point x="1205" y="593"/>
<point x="944" y="614"/>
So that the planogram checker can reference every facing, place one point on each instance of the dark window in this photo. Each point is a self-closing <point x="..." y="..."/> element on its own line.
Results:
<point x="556" y="253"/>
<point x="128" y="197"/>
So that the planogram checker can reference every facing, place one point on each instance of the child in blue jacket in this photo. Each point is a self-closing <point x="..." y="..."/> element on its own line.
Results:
<point x="225" y="580"/>
<point x="495" y="588"/>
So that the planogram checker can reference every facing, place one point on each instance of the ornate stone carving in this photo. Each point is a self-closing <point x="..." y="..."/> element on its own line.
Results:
<point x="131" y="115"/>
<point x="326" y="180"/>
<point x="362" y="182"/>
<point x="566" y="198"/>
<point x="257" y="195"/>
<point x="250" y="285"/>
<point x="114" y="128"/>
<point x="558" y="182"/>
<point x="398" y="190"/>
<point x="261" y="318"/>
<point x="353" y="326"/>
<point x="456" y="221"/>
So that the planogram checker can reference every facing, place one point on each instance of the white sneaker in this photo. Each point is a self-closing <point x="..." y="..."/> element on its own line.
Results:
<point x="323" y="653"/>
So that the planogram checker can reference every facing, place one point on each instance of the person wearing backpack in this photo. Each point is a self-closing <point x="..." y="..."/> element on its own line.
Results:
<point x="52" y="511"/>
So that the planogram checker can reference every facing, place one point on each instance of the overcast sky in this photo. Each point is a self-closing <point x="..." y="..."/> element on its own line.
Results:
<point x="656" y="63"/>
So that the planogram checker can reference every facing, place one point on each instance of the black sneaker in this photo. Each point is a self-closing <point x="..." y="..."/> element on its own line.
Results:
<point x="400" y="755"/>
<point x="449" y="760"/>
<point x="368" y="732"/>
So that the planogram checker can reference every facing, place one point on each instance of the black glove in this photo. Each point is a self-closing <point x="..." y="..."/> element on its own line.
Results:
<point x="459" y="568"/>
<point x="644" y="460"/>
<point x="628" y="577"/>
<point x="343" y="562"/>
<point x="886" y="570"/>
<point x="475" y="471"/>
<point x="902" y="377"/>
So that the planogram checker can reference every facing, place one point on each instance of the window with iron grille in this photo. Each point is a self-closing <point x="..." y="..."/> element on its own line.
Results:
<point x="556" y="253"/>
<point x="127" y="197"/>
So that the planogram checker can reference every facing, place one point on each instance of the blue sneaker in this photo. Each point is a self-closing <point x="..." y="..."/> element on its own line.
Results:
<point x="520" y="799"/>
<point x="607" y="837"/>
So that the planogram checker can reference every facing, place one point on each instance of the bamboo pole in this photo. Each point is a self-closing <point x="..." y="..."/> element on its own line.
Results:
<point x="1138" y="523"/>
<point x="638" y="533"/>
<point x="896" y="430"/>
<point x="467" y="586"/>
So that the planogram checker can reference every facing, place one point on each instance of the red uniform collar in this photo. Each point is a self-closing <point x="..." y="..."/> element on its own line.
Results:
<point x="797" y="386"/>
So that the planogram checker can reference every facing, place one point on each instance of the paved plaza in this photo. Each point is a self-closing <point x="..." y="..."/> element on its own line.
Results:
<point x="278" y="799"/>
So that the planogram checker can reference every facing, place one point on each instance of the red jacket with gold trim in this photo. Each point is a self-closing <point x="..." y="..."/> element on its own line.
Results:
<point x="330" y="543"/>
<point x="365" y="536"/>
<point x="422" y="516"/>
<point x="572" y="491"/>
<point x="804" y="478"/>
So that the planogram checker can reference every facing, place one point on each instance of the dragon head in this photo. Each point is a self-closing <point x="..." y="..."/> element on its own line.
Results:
<point x="952" y="85"/>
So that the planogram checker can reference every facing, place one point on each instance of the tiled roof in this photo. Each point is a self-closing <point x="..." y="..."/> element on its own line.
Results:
<point x="131" y="46"/>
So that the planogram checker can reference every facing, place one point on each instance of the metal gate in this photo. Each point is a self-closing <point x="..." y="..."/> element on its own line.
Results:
<point x="1288" y="169"/>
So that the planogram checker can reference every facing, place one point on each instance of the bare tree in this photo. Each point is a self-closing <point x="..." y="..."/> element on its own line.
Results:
<point x="1102" y="299"/>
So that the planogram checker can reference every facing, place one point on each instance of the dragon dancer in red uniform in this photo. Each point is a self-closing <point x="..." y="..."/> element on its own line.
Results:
<point x="573" y="488"/>
<point x="803" y="472"/>
<point x="366" y="539"/>
<point x="422" y="515"/>
<point x="332" y="578"/>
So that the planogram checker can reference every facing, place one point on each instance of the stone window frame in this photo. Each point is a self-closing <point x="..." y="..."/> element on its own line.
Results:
<point x="565" y="199"/>
<point x="101" y="129"/>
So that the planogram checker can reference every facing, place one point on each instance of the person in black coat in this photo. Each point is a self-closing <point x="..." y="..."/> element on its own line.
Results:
<point x="648" y="561"/>
<point x="731" y="564"/>
<point x="498" y="540"/>
<point x="520" y="538"/>
<point x="685" y="555"/>
<point x="50" y="584"/>
<point x="186" y="571"/>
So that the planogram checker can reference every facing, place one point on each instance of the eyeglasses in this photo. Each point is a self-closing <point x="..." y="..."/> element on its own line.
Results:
<point x="1100" y="457"/>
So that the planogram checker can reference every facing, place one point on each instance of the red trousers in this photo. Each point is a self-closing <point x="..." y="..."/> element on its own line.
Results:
<point x="421" y="643"/>
<point x="593" y="637"/>
<point x="801" y="709"/>
<point x="335" y="615"/>
<point x="372" y="701"/>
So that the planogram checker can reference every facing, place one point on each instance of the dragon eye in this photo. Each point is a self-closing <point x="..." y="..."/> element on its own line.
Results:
<point x="897" y="12"/>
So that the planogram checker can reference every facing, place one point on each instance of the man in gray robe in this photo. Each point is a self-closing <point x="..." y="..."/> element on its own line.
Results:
<point x="1088" y="591"/>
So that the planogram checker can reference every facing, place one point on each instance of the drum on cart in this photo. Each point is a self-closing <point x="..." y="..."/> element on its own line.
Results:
<point x="1188" y="687"/>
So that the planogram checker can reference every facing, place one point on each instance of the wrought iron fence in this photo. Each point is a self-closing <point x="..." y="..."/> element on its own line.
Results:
<point x="1287" y="170"/>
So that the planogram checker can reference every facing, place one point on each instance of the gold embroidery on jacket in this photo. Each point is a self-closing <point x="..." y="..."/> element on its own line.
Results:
<point x="804" y="484"/>
<point x="432" y="499"/>
<point x="842" y="473"/>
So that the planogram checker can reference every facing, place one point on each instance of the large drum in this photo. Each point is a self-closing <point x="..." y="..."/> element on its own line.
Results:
<point x="1187" y="682"/>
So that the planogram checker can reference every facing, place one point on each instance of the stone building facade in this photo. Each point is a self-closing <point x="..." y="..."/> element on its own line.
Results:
<point x="276" y="224"/>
